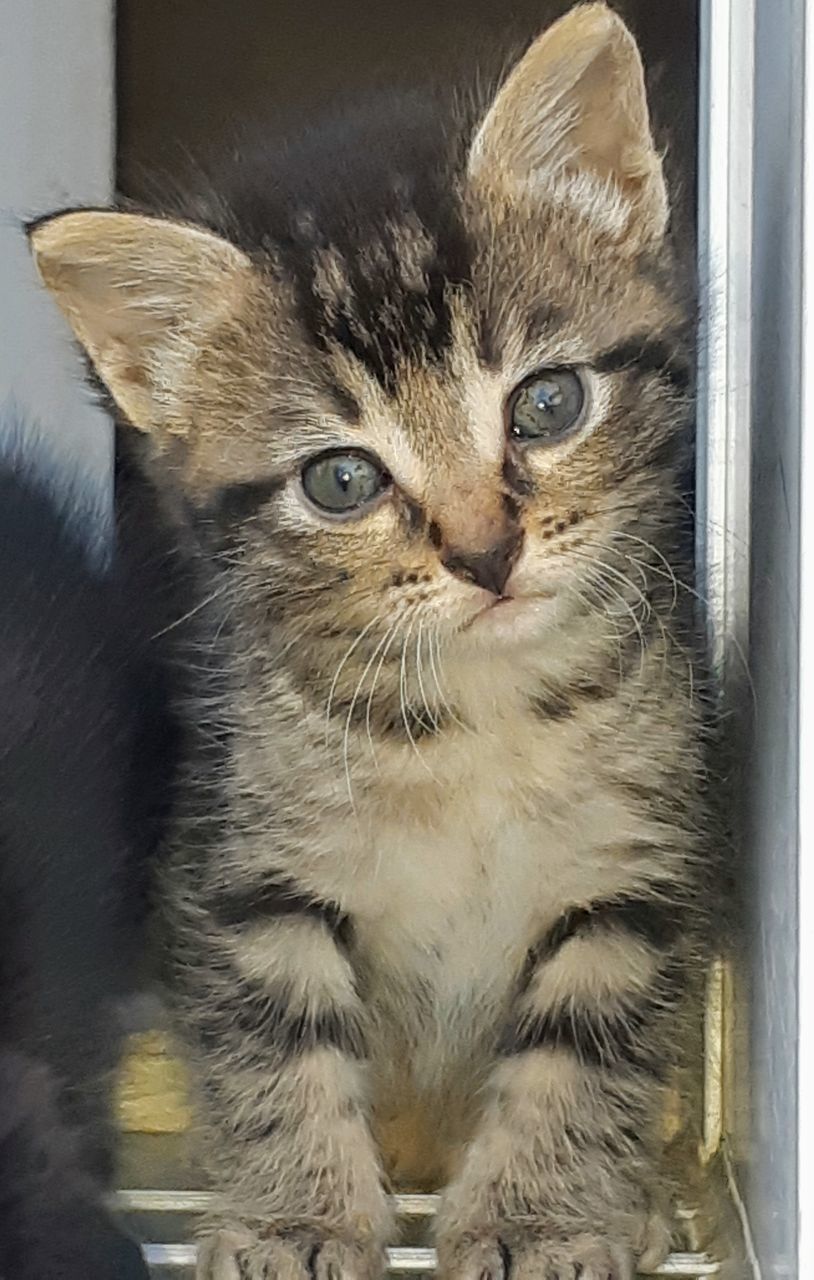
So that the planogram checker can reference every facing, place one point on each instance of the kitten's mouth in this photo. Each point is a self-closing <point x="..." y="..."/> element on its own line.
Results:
<point x="501" y="602"/>
<point x="505" y="614"/>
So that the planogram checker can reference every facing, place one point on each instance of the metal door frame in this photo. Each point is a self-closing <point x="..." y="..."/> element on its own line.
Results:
<point x="755" y="392"/>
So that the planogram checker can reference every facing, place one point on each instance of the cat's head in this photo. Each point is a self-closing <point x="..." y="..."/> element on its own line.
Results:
<point x="435" y="384"/>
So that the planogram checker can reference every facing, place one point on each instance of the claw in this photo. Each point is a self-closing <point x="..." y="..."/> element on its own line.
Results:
<point x="534" y="1256"/>
<point x="237" y="1255"/>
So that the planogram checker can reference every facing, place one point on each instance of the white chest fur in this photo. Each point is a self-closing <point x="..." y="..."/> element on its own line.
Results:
<point x="461" y="862"/>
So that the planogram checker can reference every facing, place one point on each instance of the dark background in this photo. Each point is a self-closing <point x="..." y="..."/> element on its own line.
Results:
<point x="188" y="68"/>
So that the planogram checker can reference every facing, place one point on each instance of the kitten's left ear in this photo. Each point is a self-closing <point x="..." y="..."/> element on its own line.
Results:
<point x="143" y="296"/>
<point x="574" y="112"/>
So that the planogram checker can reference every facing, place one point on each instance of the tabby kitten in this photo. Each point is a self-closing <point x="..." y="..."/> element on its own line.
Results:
<point x="426" y="392"/>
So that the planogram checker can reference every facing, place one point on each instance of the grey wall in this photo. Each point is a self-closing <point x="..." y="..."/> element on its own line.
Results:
<point x="57" y="128"/>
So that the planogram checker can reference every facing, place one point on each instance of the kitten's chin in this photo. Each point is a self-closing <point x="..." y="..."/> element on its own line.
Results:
<point x="516" y="620"/>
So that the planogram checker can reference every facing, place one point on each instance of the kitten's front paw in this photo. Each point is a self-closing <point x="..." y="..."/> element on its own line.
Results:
<point x="526" y="1254"/>
<point x="300" y="1255"/>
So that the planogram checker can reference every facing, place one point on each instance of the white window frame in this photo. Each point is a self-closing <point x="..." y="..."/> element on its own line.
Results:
<point x="755" y="403"/>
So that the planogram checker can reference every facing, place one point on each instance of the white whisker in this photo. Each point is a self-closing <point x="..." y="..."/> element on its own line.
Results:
<point x="435" y="667"/>
<point x="422" y="690"/>
<point x="340" y="668"/>
<point x="177" y="622"/>
<point x="405" y="711"/>
<point x="345" y="745"/>
<point x="390" y="637"/>
<point x="668" y="568"/>
<point x="600" y="580"/>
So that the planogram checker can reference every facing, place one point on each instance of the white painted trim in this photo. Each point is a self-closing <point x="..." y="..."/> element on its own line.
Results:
<point x="725" y="267"/>
<point x="723" y="444"/>
<point x="805" y="1093"/>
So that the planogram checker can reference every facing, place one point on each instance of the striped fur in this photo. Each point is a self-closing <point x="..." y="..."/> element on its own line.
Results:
<point x="437" y="895"/>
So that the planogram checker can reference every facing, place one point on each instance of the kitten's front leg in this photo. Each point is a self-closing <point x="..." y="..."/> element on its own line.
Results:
<point x="277" y="1041"/>
<point x="560" y="1181"/>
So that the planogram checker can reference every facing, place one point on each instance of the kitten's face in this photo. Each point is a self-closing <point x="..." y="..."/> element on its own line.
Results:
<point x="435" y="412"/>
<point x="455" y="455"/>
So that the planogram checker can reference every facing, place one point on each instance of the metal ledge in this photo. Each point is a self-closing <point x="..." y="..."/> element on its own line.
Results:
<point x="171" y="1260"/>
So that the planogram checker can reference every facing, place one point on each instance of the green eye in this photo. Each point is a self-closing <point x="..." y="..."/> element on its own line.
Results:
<point x="343" y="482"/>
<point x="546" y="406"/>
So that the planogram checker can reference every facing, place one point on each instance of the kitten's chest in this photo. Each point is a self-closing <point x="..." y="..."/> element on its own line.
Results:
<point x="459" y="876"/>
<point x="452" y="907"/>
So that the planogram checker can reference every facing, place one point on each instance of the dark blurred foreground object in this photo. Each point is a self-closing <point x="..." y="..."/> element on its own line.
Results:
<point x="87" y="751"/>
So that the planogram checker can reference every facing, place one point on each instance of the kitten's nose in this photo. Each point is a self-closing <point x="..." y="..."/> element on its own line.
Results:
<point x="489" y="569"/>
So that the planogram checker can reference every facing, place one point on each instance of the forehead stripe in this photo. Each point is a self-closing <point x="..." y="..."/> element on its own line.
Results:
<point x="395" y="312"/>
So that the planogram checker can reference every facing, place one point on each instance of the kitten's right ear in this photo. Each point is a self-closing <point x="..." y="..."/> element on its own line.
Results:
<point x="142" y="295"/>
